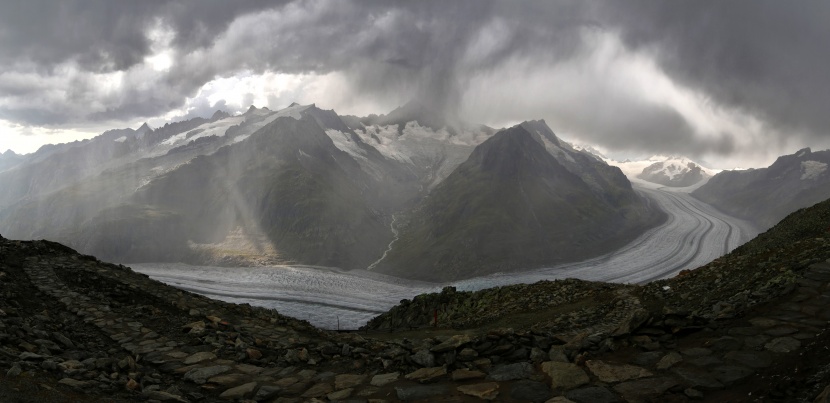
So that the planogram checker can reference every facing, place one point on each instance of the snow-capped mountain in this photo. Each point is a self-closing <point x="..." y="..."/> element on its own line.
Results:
<point x="676" y="172"/>
<point x="767" y="195"/>
<point x="299" y="185"/>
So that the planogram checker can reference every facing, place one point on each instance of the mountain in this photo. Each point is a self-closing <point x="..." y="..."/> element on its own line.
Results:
<point x="766" y="195"/>
<point x="675" y="172"/>
<point x="10" y="159"/>
<point x="523" y="199"/>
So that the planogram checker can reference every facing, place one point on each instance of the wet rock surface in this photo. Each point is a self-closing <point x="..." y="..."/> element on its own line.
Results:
<point x="749" y="326"/>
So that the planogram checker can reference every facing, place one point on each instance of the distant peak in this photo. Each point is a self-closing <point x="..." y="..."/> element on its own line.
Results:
<point x="9" y="153"/>
<point x="293" y="104"/>
<point x="219" y="114"/>
<point x="251" y="109"/>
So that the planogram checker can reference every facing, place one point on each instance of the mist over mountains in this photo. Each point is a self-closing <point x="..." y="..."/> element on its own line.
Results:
<point x="303" y="185"/>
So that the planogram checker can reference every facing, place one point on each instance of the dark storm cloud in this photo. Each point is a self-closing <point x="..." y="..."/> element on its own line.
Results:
<point x="766" y="58"/>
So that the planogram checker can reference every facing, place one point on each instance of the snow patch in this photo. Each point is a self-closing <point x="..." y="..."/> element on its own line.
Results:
<point x="344" y="142"/>
<point x="121" y="139"/>
<point x="812" y="169"/>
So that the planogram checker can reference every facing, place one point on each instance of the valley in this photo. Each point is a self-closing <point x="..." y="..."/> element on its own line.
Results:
<point x="692" y="236"/>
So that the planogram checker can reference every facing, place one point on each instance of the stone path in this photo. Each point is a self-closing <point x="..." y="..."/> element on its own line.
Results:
<point x="171" y="345"/>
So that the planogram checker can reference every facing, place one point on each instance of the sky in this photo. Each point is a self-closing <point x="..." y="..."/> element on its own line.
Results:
<point x="730" y="84"/>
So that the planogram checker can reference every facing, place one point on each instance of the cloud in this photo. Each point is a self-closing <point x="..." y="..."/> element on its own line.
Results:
<point x="708" y="66"/>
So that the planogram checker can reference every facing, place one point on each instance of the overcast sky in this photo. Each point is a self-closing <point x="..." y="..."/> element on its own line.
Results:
<point x="732" y="83"/>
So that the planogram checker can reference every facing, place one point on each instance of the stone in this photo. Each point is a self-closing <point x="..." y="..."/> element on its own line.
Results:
<point x="693" y="394"/>
<point x="70" y="365"/>
<point x="530" y="391"/>
<point x="564" y="376"/>
<point x="423" y="358"/>
<point x="340" y="394"/>
<point x="755" y="342"/>
<point x="485" y="391"/>
<point x="824" y="396"/>
<point x="648" y="358"/>
<point x="696" y="351"/>
<point x="14" y="371"/>
<point x="466" y="374"/>
<point x="253" y="353"/>
<point x="420" y="392"/>
<point x="427" y="374"/>
<point x="163" y="396"/>
<point x="726" y="343"/>
<point x="593" y="394"/>
<point x="266" y="392"/>
<point x="510" y="372"/>
<point x="669" y="360"/>
<point x="697" y="377"/>
<point x="780" y="331"/>
<point x="239" y="392"/>
<point x="199" y="357"/>
<point x="559" y="399"/>
<point x="729" y="374"/>
<point x="63" y="340"/>
<point x="27" y="356"/>
<point x="345" y="381"/>
<point x="227" y="380"/>
<point x="763" y="322"/>
<point x="73" y="383"/>
<point x="319" y="390"/>
<point x="705" y="361"/>
<point x="752" y="359"/>
<point x="615" y="373"/>
<point x="557" y="354"/>
<point x="782" y="345"/>
<point x="467" y="354"/>
<point x="452" y="343"/>
<point x="201" y="375"/>
<point x="644" y="389"/>
<point x="383" y="379"/>
<point x="132" y="384"/>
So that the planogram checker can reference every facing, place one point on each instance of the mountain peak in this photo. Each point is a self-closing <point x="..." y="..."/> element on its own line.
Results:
<point x="219" y="114"/>
<point x="251" y="109"/>
<point x="293" y="104"/>
<point x="9" y="153"/>
<point x="144" y="129"/>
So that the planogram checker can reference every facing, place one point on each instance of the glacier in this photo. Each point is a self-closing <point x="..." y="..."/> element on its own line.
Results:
<point x="694" y="234"/>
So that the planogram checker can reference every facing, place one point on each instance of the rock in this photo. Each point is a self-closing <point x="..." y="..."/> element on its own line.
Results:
<point x="63" y="340"/>
<point x="615" y="373"/>
<point x="752" y="359"/>
<point x="423" y="358"/>
<point x="537" y="355"/>
<point x="427" y="374"/>
<point x="227" y="380"/>
<point x="726" y="343"/>
<point x="693" y="394"/>
<point x="696" y="351"/>
<point x="465" y="374"/>
<point x="163" y="396"/>
<point x="564" y="376"/>
<point x="648" y="358"/>
<point x="634" y="318"/>
<point x="239" y="392"/>
<point x="782" y="345"/>
<point x="697" y="377"/>
<point x="76" y="384"/>
<point x="253" y="353"/>
<point x="729" y="374"/>
<point x="559" y="399"/>
<point x="420" y="392"/>
<point x="132" y="384"/>
<point x="70" y="365"/>
<point x="266" y="392"/>
<point x="645" y="389"/>
<point x="383" y="379"/>
<point x="467" y="354"/>
<point x="510" y="372"/>
<point x="593" y="394"/>
<point x="14" y="371"/>
<point x="557" y="354"/>
<point x="669" y="360"/>
<point x="340" y="394"/>
<point x="318" y="390"/>
<point x="344" y="381"/>
<point x="201" y="375"/>
<point x="27" y="356"/>
<point x="199" y="357"/>
<point x="452" y="343"/>
<point x="530" y="391"/>
<point x="780" y="331"/>
<point x="486" y="391"/>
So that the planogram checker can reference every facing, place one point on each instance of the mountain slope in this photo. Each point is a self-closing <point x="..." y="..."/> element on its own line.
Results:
<point x="514" y="205"/>
<point x="767" y="195"/>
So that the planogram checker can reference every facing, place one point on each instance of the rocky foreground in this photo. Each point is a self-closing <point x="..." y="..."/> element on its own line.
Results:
<point x="751" y="326"/>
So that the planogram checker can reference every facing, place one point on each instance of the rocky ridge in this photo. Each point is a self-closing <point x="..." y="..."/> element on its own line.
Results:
<point x="750" y="326"/>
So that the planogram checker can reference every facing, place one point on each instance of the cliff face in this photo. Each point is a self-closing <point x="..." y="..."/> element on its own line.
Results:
<point x="749" y="324"/>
